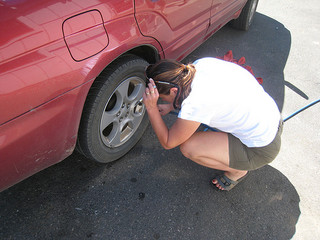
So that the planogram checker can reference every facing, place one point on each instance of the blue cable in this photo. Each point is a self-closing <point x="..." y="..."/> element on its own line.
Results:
<point x="300" y="110"/>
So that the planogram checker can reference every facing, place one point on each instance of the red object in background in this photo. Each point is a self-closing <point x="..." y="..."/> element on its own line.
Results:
<point x="242" y="61"/>
<point x="54" y="52"/>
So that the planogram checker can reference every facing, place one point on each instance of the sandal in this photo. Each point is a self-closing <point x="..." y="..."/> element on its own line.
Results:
<point x="226" y="182"/>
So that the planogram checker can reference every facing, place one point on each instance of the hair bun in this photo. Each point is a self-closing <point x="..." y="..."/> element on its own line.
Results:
<point x="186" y="68"/>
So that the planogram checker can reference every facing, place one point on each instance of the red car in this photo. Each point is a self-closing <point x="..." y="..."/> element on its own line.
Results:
<point x="72" y="72"/>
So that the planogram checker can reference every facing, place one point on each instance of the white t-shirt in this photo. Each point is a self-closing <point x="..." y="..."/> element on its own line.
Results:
<point x="226" y="96"/>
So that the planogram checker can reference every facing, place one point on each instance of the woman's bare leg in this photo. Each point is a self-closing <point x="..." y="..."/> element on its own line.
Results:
<point x="211" y="149"/>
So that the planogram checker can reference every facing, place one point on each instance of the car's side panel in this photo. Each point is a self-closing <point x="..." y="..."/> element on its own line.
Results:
<point x="177" y="25"/>
<point x="46" y="97"/>
<point x="35" y="63"/>
<point x="40" y="138"/>
<point x="48" y="133"/>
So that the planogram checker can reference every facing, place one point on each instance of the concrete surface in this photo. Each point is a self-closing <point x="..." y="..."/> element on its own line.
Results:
<point x="156" y="194"/>
<point x="299" y="159"/>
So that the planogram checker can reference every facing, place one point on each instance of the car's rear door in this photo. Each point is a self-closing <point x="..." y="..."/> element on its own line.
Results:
<point x="222" y="11"/>
<point x="179" y="25"/>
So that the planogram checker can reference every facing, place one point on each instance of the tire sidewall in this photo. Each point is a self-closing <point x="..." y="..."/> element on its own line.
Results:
<point x="244" y="20"/>
<point x="251" y="11"/>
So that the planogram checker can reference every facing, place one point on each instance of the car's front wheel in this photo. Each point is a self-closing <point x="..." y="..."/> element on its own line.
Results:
<point x="114" y="118"/>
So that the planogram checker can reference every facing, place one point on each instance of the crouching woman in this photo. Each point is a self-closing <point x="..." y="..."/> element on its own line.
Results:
<point x="222" y="95"/>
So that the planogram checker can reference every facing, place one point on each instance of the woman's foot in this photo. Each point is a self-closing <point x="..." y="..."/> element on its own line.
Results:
<point x="227" y="181"/>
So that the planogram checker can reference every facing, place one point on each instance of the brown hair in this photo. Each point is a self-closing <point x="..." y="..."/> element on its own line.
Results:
<point x="172" y="71"/>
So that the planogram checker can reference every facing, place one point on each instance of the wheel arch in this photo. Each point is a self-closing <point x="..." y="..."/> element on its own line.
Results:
<point x="146" y="52"/>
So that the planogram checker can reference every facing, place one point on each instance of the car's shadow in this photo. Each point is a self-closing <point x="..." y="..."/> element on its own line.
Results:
<point x="155" y="194"/>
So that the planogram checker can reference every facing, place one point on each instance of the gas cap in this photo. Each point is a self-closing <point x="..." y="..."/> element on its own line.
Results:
<point x="85" y="34"/>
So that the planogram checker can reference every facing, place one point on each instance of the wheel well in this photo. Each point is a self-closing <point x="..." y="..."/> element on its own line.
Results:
<point x="148" y="53"/>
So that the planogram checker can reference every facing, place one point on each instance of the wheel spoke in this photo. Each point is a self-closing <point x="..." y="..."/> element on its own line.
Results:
<point x="122" y="91"/>
<point x="126" y="132"/>
<point x="115" y="140"/>
<point x="107" y="119"/>
<point x="137" y="92"/>
<point x="136" y="120"/>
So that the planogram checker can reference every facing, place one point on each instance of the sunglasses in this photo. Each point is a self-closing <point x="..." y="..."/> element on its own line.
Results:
<point x="165" y="83"/>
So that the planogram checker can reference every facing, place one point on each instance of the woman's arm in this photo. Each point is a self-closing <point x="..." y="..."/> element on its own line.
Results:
<point x="181" y="130"/>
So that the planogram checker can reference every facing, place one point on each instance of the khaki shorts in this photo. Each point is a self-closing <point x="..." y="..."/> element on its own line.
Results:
<point x="246" y="158"/>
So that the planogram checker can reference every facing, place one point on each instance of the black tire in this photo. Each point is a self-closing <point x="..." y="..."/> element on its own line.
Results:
<point x="245" y="19"/>
<point x="114" y="119"/>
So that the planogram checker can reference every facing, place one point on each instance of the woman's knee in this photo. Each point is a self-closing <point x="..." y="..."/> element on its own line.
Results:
<point x="190" y="148"/>
<point x="187" y="149"/>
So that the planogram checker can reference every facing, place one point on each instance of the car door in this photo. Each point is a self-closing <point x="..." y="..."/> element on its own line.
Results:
<point x="179" y="25"/>
<point x="222" y="11"/>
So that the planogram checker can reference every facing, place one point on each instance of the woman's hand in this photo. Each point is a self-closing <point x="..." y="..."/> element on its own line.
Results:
<point x="165" y="108"/>
<point x="151" y="96"/>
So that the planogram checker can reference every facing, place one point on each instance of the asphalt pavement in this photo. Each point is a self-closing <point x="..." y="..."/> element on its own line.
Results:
<point x="152" y="193"/>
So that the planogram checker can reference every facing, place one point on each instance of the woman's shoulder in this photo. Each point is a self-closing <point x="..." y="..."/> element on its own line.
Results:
<point x="211" y="63"/>
<point x="205" y="60"/>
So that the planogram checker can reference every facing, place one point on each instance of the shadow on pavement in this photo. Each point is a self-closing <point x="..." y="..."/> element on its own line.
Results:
<point x="156" y="194"/>
<point x="149" y="194"/>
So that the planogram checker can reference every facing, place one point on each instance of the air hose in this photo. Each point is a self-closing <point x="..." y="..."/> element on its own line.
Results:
<point x="300" y="110"/>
